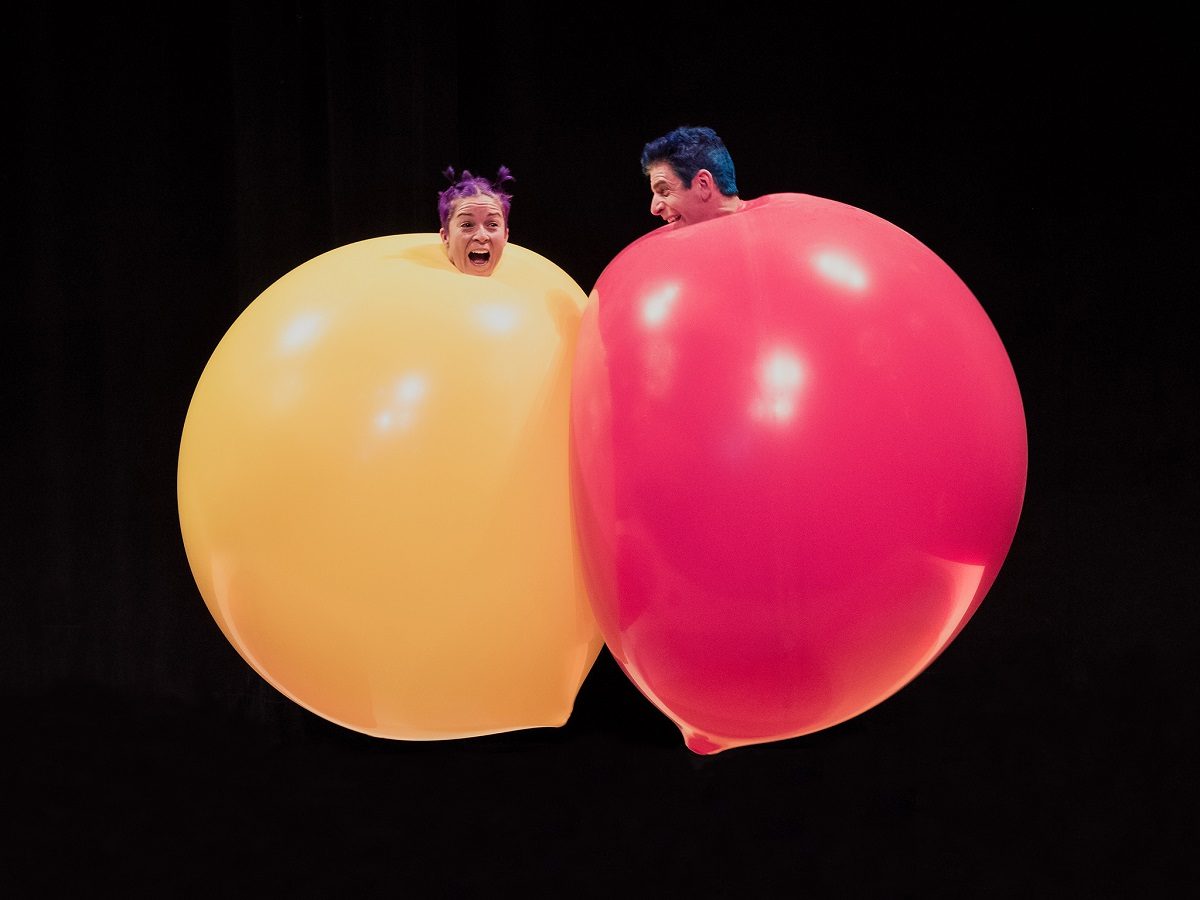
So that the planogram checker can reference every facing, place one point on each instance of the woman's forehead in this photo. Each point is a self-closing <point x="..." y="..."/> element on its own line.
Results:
<point x="478" y="205"/>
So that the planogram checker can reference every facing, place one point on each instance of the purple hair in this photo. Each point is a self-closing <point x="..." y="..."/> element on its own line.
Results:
<point x="470" y="186"/>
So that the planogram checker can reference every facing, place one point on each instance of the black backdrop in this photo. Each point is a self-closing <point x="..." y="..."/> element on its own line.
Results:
<point x="170" y="164"/>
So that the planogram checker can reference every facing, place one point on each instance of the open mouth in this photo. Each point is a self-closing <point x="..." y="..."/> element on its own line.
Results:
<point x="480" y="257"/>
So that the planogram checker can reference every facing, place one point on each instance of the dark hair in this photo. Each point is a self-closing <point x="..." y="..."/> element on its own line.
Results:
<point x="470" y="186"/>
<point x="689" y="149"/>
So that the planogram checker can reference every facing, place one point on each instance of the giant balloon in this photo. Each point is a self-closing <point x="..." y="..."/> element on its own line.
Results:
<point x="798" y="460"/>
<point x="373" y="491"/>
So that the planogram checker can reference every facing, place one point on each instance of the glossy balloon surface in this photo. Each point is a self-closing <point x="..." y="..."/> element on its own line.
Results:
<point x="798" y="457"/>
<point x="374" y="493"/>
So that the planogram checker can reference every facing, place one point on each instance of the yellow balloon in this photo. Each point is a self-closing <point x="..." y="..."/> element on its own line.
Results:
<point x="373" y="491"/>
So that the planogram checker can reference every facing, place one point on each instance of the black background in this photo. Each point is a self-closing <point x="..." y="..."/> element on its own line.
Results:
<point x="166" y="166"/>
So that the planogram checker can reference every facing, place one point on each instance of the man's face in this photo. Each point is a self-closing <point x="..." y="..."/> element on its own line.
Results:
<point x="673" y="201"/>
<point x="475" y="235"/>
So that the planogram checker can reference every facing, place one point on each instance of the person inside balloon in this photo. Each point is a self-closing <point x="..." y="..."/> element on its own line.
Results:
<point x="692" y="177"/>
<point x="474" y="214"/>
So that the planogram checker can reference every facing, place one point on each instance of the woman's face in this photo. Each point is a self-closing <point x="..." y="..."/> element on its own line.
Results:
<point x="475" y="234"/>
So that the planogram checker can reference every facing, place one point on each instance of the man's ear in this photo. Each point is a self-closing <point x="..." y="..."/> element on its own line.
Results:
<point x="703" y="182"/>
<point x="442" y="232"/>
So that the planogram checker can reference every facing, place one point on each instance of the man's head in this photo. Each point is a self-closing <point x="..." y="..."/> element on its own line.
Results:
<point x="691" y="175"/>
<point x="474" y="217"/>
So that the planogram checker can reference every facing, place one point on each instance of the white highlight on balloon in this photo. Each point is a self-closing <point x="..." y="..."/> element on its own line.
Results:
<point x="656" y="307"/>
<point x="840" y="268"/>
<point x="302" y="332"/>
<point x="496" y="318"/>
<point x="401" y="409"/>
<point x="781" y="376"/>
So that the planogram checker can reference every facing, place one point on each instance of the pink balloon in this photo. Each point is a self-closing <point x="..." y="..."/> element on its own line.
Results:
<point x="798" y="458"/>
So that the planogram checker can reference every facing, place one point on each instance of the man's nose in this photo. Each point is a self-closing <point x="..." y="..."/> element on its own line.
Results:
<point x="656" y="204"/>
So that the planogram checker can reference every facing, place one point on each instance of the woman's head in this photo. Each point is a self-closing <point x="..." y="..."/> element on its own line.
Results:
<point x="474" y="216"/>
